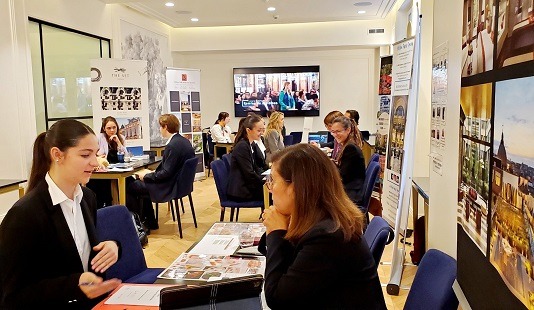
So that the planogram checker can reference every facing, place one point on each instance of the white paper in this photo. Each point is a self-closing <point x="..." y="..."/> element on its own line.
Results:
<point x="214" y="244"/>
<point x="139" y="295"/>
<point x="266" y="172"/>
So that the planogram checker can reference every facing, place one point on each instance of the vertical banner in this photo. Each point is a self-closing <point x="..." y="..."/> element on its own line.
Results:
<point x="384" y="108"/>
<point x="438" y="102"/>
<point x="119" y="88"/>
<point x="183" y="92"/>
<point x="403" y="54"/>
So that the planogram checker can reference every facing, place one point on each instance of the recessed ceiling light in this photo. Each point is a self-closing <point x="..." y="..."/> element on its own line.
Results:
<point x="194" y="19"/>
<point x="361" y="12"/>
<point x="363" y="4"/>
<point x="169" y="4"/>
<point x="271" y="9"/>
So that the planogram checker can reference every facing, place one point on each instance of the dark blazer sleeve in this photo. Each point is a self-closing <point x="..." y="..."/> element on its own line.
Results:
<point x="327" y="144"/>
<point x="39" y="263"/>
<point x="174" y="157"/>
<point x="242" y="157"/>
<point x="352" y="164"/>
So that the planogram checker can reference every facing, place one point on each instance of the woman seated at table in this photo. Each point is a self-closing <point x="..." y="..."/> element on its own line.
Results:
<point x="110" y="142"/>
<point x="349" y="159"/>
<point x="274" y="141"/>
<point x="220" y="131"/>
<point x="316" y="255"/>
<point x="49" y="254"/>
<point x="245" y="180"/>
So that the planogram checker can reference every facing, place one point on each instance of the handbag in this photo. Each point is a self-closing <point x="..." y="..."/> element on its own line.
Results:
<point x="140" y="229"/>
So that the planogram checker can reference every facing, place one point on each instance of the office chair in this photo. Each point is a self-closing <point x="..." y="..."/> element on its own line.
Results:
<point x="207" y="149"/>
<point x="432" y="285"/>
<point x="375" y="157"/>
<point x="297" y="136"/>
<point x="378" y="234"/>
<point x="288" y="140"/>
<point x="227" y="158"/>
<point x="371" y="175"/>
<point x="115" y="223"/>
<point x="220" y="174"/>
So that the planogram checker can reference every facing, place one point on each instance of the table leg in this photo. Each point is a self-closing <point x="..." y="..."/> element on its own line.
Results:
<point x="122" y="191"/>
<point x="215" y="152"/>
<point x="415" y="204"/>
<point x="265" y="196"/>
<point x="21" y="191"/>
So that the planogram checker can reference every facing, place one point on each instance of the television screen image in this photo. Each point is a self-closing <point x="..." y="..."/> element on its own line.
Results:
<point x="292" y="90"/>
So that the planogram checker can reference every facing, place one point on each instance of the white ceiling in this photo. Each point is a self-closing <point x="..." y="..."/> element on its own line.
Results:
<point x="254" y="12"/>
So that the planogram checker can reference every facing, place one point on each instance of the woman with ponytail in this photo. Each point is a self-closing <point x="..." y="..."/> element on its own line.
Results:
<point x="349" y="159"/>
<point x="49" y="254"/>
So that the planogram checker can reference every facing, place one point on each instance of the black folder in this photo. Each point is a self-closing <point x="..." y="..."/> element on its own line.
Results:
<point x="176" y="297"/>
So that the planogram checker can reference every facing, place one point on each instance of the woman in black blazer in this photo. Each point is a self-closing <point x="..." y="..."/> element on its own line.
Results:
<point x="49" y="254"/>
<point x="317" y="257"/>
<point x="245" y="180"/>
<point x="349" y="159"/>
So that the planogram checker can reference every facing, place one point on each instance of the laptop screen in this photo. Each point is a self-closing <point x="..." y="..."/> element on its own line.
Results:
<point x="318" y="138"/>
<point x="135" y="150"/>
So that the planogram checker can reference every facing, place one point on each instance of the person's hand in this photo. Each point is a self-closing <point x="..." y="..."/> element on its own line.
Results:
<point x="274" y="220"/>
<point x="141" y="174"/>
<point x="116" y="139"/>
<point x="108" y="254"/>
<point x="315" y="144"/>
<point x="93" y="286"/>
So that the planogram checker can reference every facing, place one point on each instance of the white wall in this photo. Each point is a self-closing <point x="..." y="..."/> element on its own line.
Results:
<point x="444" y="188"/>
<point x="348" y="78"/>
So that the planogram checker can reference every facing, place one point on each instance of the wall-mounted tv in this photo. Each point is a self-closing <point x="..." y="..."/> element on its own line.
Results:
<point x="291" y="90"/>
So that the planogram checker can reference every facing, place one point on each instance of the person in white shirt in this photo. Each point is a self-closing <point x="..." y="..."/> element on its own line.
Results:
<point x="220" y="131"/>
<point x="50" y="256"/>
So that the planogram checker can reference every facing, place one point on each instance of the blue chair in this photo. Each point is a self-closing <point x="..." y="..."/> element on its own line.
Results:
<point x="207" y="149"/>
<point x="377" y="235"/>
<point x="297" y="136"/>
<point x="432" y="285"/>
<point x="116" y="223"/>
<point x="374" y="157"/>
<point x="220" y="174"/>
<point x="288" y="140"/>
<point x="227" y="159"/>
<point x="371" y="175"/>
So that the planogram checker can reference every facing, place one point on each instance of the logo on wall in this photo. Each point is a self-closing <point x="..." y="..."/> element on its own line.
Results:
<point x="184" y="77"/>
<point x="98" y="74"/>
<point x="122" y="70"/>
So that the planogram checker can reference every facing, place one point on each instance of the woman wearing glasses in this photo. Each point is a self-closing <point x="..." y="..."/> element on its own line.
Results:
<point x="245" y="180"/>
<point x="316" y="255"/>
<point x="349" y="159"/>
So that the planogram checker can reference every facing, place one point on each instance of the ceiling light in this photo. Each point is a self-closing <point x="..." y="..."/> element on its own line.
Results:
<point x="169" y="4"/>
<point x="271" y="9"/>
<point x="194" y="19"/>
<point x="361" y="12"/>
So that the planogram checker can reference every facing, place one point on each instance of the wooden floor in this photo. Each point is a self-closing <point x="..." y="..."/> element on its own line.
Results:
<point x="165" y="245"/>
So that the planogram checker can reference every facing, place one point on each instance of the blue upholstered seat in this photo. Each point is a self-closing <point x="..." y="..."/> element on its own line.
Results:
<point x="432" y="285"/>
<point x="227" y="159"/>
<point x="220" y="174"/>
<point x="377" y="235"/>
<point x="115" y="223"/>
<point x="371" y="175"/>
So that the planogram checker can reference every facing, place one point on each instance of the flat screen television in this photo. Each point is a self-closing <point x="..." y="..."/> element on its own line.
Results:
<point x="292" y="90"/>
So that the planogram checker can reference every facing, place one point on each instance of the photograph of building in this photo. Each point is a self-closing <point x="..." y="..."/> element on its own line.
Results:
<point x="515" y="32"/>
<point x="477" y="37"/>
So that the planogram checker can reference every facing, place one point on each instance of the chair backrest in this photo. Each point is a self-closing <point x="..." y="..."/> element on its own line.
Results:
<point x="374" y="157"/>
<point x="227" y="159"/>
<point x="187" y="178"/>
<point x="432" y="285"/>
<point x="371" y="175"/>
<point x="220" y="174"/>
<point x="377" y="235"/>
<point x="288" y="140"/>
<point x="297" y="136"/>
<point x="116" y="223"/>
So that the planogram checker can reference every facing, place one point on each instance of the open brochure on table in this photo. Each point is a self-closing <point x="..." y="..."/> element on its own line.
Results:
<point x="203" y="267"/>
<point x="234" y="229"/>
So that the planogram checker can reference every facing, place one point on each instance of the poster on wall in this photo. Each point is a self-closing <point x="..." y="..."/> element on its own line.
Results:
<point x="119" y="89"/>
<point x="384" y="107"/>
<point x="475" y="130"/>
<point x="477" y="37"/>
<point x="138" y="43"/>
<point x="512" y="223"/>
<point x="401" y="84"/>
<point x="438" y="106"/>
<point x="183" y="89"/>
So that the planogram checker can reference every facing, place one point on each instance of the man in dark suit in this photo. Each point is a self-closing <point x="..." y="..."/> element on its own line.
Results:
<point x="160" y="184"/>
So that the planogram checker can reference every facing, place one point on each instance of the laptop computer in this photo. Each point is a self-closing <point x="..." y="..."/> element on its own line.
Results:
<point x="317" y="137"/>
<point x="135" y="150"/>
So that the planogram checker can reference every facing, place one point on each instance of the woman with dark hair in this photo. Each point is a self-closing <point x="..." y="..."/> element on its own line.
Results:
<point x="349" y="159"/>
<point x="220" y="131"/>
<point x="49" y="254"/>
<point x="245" y="180"/>
<point x="316" y="255"/>
<point x="354" y="115"/>
<point x="110" y="142"/>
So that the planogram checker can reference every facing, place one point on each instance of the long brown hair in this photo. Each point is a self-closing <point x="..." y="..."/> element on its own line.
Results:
<point x="303" y="165"/>
<point x="354" y="137"/>
<point x="244" y="123"/>
<point x="64" y="134"/>
<point x="111" y="143"/>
